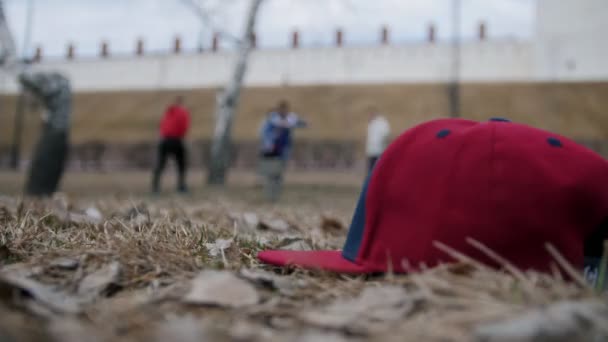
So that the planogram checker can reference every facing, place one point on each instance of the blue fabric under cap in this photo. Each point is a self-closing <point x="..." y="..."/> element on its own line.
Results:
<point x="357" y="226"/>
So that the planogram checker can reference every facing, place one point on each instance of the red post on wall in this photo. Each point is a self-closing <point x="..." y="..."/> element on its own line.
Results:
<point x="295" y="39"/>
<point x="432" y="33"/>
<point x="385" y="35"/>
<point x="70" y="52"/>
<point x="139" y="50"/>
<point x="339" y="37"/>
<point x="105" y="50"/>
<point x="216" y="42"/>
<point x="482" y="31"/>
<point x="177" y="45"/>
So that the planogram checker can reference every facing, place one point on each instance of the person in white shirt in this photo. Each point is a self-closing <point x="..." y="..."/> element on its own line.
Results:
<point x="378" y="132"/>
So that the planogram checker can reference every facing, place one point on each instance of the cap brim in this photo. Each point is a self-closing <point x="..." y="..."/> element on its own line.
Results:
<point x="320" y="260"/>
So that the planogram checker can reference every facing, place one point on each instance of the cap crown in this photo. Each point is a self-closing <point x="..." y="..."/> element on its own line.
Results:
<point x="510" y="186"/>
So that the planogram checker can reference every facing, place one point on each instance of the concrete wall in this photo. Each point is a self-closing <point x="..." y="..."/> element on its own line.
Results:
<point x="491" y="61"/>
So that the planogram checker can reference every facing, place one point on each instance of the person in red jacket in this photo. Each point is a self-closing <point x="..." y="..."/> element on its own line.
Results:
<point x="173" y="128"/>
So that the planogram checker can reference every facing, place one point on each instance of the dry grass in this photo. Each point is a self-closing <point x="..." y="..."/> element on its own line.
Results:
<point x="342" y="185"/>
<point x="160" y="244"/>
<point x="576" y="110"/>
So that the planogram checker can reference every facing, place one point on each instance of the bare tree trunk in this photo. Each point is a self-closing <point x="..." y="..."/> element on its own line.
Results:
<point x="50" y="155"/>
<point x="8" y="52"/>
<point x="8" y="61"/>
<point x="227" y="103"/>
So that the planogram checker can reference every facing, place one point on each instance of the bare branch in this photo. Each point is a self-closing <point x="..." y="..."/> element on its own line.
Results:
<point x="206" y="18"/>
<point x="8" y="51"/>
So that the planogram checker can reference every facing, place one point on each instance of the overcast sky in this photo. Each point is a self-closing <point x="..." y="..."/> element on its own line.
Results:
<point x="121" y="22"/>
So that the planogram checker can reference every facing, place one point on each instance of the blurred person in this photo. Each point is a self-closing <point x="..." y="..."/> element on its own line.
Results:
<point x="261" y="179"/>
<point x="173" y="128"/>
<point x="276" y="142"/>
<point x="378" y="132"/>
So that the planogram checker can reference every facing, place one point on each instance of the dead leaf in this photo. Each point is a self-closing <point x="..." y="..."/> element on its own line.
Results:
<point x="297" y="245"/>
<point x="188" y="329"/>
<point x="313" y="336"/>
<point x="285" y="285"/>
<point x="94" y="214"/>
<point x="277" y="225"/>
<point x="374" y="304"/>
<point x="138" y="215"/>
<point x="141" y="219"/>
<point x="64" y="263"/>
<point x="262" y="241"/>
<point x="221" y="288"/>
<point x="331" y="224"/>
<point x="21" y="270"/>
<point x="244" y="330"/>
<point x="251" y="220"/>
<point x="563" y="321"/>
<point x="61" y="201"/>
<point x="15" y="287"/>
<point x="101" y="282"/>
<point x="135" y="211"/>
<point x="73" y="330"/>
<point x="260" y="277"/>
<point x="282" y="322"/>
<point x="218" y="247"/>
<point x="78" y="218"/>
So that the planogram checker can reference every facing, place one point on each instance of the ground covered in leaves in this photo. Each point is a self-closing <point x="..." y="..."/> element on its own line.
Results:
<point x="185" y="269"/>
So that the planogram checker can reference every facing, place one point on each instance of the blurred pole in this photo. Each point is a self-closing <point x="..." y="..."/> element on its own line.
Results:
<point x="18" y="131"/>
<point x="201" y="40"/>
<point x="454" y="86"/>
<point x="20" y="108"/>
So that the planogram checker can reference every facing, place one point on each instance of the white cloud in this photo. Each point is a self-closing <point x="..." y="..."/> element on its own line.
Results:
<point x="121" y="22"/>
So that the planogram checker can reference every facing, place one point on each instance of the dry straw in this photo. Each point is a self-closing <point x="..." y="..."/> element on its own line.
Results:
<point x="160" y="246"/>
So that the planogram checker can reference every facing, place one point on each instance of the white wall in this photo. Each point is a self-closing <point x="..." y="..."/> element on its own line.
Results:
<point x="492" y="61"/>
<point x="571" y="44"/>
<point x="572" y="40"/>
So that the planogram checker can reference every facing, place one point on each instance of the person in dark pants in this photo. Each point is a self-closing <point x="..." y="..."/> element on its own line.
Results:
<point x="173" y="128"/>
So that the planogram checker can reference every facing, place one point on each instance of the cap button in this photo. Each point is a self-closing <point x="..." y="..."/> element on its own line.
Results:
<point x="554" y="142"/>
<point x="443" y="133"/>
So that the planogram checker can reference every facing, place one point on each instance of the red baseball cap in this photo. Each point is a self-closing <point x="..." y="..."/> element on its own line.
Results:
<point x="511" y="187"/>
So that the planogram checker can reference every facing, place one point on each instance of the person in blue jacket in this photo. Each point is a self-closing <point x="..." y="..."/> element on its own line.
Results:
<point x="276" y="137"/>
